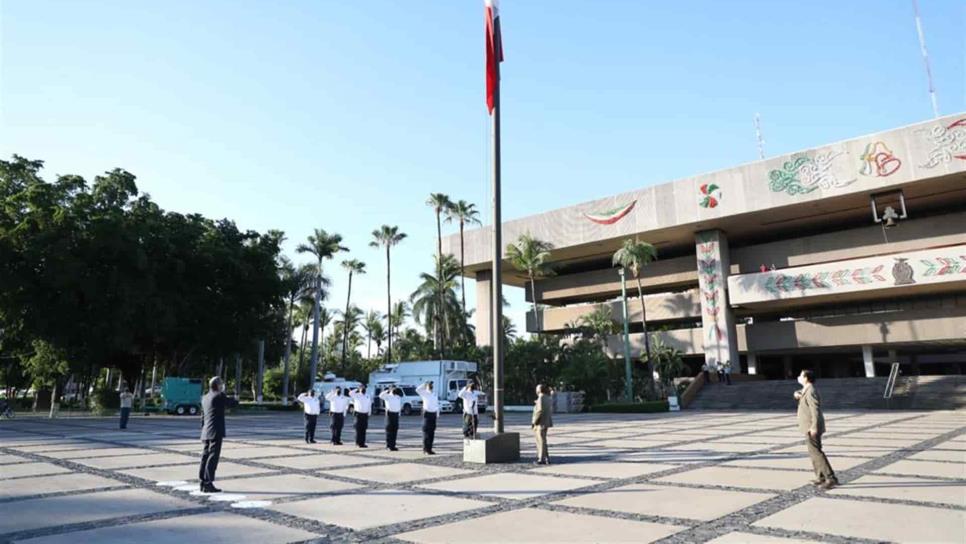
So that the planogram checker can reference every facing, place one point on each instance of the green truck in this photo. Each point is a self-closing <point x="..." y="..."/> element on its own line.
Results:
<point x="181" y="396"/>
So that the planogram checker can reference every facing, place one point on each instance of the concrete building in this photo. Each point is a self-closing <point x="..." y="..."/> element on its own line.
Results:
<point x="778" y="264"/>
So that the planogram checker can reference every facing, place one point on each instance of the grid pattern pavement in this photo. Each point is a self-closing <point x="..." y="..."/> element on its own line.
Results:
<point x="687" y="477"/>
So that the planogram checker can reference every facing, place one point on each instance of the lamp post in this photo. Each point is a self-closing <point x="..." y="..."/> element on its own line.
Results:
<point x="628" y="378"/>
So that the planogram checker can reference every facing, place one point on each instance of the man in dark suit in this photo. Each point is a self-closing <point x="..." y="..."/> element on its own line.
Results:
<point x="811" y="421"/>
<point x="213" y="407"/>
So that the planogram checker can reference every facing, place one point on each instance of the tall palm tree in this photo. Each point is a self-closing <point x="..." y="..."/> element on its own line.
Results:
<point x="400" y="313"/>
<point x="351" y="319"/>
<point x="295" y="280"/>
<point x="530" y="255"/>
<point x="321" y="245"/>
<point x="426" y="299"/>
<point x="464" y="213"/>
<point x="371" y="325"/>
<point x="635" y="255"/>
<point x="440" y="203"/>
<point x="600" y="321"/>
<point x="378" y="336"/>
<point x="387" y="237"/>
<point x="353" y="266"/>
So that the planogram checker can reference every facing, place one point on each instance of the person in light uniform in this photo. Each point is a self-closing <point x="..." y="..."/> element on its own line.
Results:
<point x="310" y="404"/>
<point x="392" y="398"/>
<point x="338" y="405"/>
<point x="362" y="406"/>
<point x="471" y="412"/>
<point x="430" y="413"/>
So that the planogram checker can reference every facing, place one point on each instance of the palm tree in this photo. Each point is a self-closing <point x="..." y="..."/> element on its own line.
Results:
<point x="371" y="325"/>
<point x="635" y="255"/>
<point x="600" y="322"/>
<point x="354" y="266"/>
<point x="351" y="319"/>
<point x="439" y="203"/>
<point x="387" y="237"/>
<point x="530" y="255"/>
<point x="321" y="245"/>
<point x="427" y="297"/>
<point x="464" y="213"/>
<point x="400" y="313"/>
<point x="295" y="281"/>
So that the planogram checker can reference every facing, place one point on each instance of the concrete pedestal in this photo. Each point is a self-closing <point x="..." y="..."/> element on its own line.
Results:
<point x="495" y="448"/>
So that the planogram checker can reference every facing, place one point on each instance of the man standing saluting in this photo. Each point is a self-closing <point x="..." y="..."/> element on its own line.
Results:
<point x="430" y="412"/>
<point x="361" y="405"/>
<point x="811" y="421"/>
<point x="338" y="404"/>
<point x="392" y="397"/>
<point x="312" y="409"/>
<point x="471" y="411"/>
<point x="212" y="432"/>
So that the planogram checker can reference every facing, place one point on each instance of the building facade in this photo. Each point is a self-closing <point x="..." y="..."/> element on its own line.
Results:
<point x="843" y="258"/>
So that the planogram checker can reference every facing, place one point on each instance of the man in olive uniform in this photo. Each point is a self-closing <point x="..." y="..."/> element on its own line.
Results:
<point x="541" y="422"/>
<point x="811" y="421"/>
<point x="213" y="407"/>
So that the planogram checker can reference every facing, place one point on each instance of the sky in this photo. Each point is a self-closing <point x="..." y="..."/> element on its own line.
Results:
<point x="346" y="115"/>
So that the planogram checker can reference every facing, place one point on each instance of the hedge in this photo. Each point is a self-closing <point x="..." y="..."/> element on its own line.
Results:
<point x="631" y="407"/>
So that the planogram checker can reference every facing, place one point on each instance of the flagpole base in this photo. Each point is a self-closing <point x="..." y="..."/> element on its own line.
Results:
<point x="492" y="448"/>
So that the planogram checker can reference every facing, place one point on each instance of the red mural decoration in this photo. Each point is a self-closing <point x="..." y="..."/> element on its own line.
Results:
<point x="609" y="217"/>
<point x="711" y="194"/>
<point x="879" y="161"/>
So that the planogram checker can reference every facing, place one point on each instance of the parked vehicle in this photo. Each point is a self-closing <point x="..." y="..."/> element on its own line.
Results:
<point x="181" y="396"/>
<point x="329" y="382"/>
<point x="448" y="378"/>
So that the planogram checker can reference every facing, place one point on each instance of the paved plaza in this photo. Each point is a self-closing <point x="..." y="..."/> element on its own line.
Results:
<point x="687" y="477"/>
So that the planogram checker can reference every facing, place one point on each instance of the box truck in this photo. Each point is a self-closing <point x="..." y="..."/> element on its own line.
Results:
<point x="448" y="378"/>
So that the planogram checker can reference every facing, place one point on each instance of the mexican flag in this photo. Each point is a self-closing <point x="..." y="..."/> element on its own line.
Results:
<point x="494" y="51"/>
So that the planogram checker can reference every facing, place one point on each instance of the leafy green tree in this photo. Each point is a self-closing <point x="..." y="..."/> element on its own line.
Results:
<point x="463" y="213"/>
<point x="434" y="296"/>
<point x="372" y="324"/>
<point x="600" y="322"/>
<point x="530" y="256"/>
<point x="634" y="255"/>
<point x="322" y="246"/>
<point x="388" y="237"/>
<point x="296" y="282"/>
<point x="440" y="203"/>
<point x="668" y="363"/>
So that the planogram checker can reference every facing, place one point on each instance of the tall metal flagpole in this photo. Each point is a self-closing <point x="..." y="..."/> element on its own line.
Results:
<point x="925" y="59"/>
<point x="496" y="314"/>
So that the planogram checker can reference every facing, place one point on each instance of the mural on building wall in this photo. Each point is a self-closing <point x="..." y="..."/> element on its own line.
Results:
<point x="878" y="160"/>
<point x="902" y="272"/>
<point x="609" y="217"/>
<point x="809" y="281"/>
<point x="708" y="271"/>
<point x="803" y="174"/>
<point x="948" y="143"/>
<point x="710" y="195"/>
<point x="943" y="266"/>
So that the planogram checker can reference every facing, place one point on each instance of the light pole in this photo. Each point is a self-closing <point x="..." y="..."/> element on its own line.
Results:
<point x="628" y="378"/>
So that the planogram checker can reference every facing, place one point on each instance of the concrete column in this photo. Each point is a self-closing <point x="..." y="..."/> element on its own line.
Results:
<point x="719" y="336"/>
<point x="869" y="361"/>
<point x="752" y="359"/>
<point x="484" y="288"/>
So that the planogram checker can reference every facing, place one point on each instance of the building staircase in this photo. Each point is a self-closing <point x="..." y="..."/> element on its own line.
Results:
<point x="910" y="393"/>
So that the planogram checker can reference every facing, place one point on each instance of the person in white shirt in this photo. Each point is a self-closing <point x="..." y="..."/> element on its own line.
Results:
<point x="430" y="412"/>
<point x="338" y="405"/>
<point x="392" y="398"/>
<point x="310" y="404"/>
<point x="471" y="413"/>
<point x="126" y="399"/>
<point x="361" y="405"/>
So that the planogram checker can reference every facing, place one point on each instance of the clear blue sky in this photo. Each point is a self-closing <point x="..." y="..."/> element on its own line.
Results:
<point x="346" y="115"/>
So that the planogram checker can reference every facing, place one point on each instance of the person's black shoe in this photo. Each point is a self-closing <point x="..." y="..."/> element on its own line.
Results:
<point x="202" y="486"/>
<point x="393" y="449"/>
<point x="210" y="488"/>
<point x="363" y="446"/>
<point x="430" y="452"/>
<point x="312" y="442"/>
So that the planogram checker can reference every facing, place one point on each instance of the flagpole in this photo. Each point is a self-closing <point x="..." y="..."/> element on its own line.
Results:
<point x="496" y="320"/>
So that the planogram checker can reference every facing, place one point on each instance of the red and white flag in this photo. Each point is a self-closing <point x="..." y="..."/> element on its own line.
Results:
<point x="494" y="50"/>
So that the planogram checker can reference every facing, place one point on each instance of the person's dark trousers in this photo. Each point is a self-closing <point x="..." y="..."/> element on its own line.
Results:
<point x="209" y="461"/>
<point x="707" y="377"/>
<point x="470" y="425"/>
<point x="728" y="378"/>
<point x="823" y="470"/>
<point x="361" y="425"/>
<point x="310" y="422"/>
<point x="392" y="428"/>
<point x="336" y="427"/>
<point x="720" y="377"/>
<point x="125" y="414"/>
<point x="429" y="430"/>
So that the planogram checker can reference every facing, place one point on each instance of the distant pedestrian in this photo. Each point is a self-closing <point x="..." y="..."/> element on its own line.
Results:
<point x="213" y="407"/>
<point x="311" y="407"/>
<point x="430" y="414"/>
<point x="811" y="421"/>
<point x="773" y="267"/>
<point x="719" y="369"/>
<point x="338" y="405"/>
<point x="726" y="369"/>
<point x="126" y="400"/>
<point x="541" y="422"/>
<point x="706" y="370"/>
<point x="361" y="406"/>
<point x="763" y="268"/>
<point x="392" y="398"/>
<point x="471" y="412"/>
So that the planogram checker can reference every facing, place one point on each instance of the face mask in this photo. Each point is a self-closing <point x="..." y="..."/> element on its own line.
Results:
<point x="802" y="381"/>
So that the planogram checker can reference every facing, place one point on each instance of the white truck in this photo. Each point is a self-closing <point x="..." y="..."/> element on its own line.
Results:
<point x="329" y="382"/>
<point x="448" y="378"/>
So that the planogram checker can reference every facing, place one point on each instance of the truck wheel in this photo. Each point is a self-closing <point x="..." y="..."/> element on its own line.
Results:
<point x="407" y="410"/>
<point x="179" y="410"/>
<point x="193" y="410"/>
